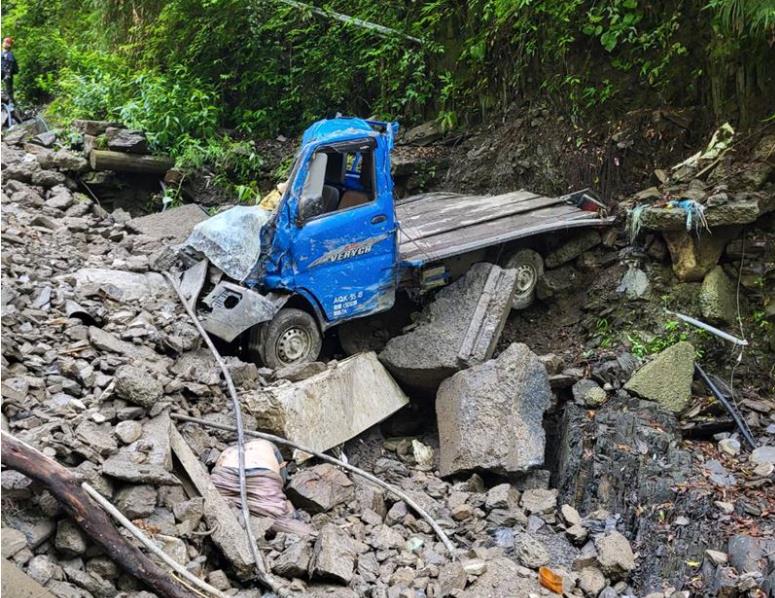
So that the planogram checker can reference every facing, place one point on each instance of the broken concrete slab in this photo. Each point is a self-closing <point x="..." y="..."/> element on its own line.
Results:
<point x="319" y="412"/>
<point x="120" y="285"/>
<point x="175" y="223"/>
<point x="491" y="416"/>
<point x="458" y="329"/>
<point x="227" y="534"/>
<point x="667" y="379"/>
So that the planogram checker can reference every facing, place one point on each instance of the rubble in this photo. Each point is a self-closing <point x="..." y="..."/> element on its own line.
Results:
<point x="490" y="415"/>
<point x="97" y="354"/>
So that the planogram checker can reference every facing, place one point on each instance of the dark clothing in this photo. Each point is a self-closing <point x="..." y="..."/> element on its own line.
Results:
<point x="9" y="68"/>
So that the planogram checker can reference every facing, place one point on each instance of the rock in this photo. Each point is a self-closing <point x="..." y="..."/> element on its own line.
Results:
<point x="502" y="496"/>
<point x="490" y="416"/>
<point x="47" y="178"/>
<point x="108" y="342"/>
<point x="299" y="371"/>
<point x="570" y="250"/>
<point x="318" y="412"/>
<point x="14" y="389"/>
<point x="763" y="455"/>
<point x="333" y="556"/>
<point x="570" y="515"/>
<point x="128" y="431"/>
<point x="69" y="539"/>
<point x="530" y="551"/>
<point x="718" y="297"/>
<point x="175" y="223"/>
<point x="126" y="140"/>
<point x="96" y="438"/>
<point x="539" y="500"/>
<point x="43" y="569"/>
<point x="60" y="198"/>
<point x="588" y="392"/>
<point x="92" y="127"/>
<point x="724" y="584"/>
<point x="174" y="547"/>
<point x="136" y="385"/>
<point x="717" y="557"/>
<point x="136" y="501"/>
<point x="218" y="580"/>
<point x="475" y="566"/>
<point x="294" y="560"/>
<point x="452" y="577"/>
<point x="320" y="488"/>
<point x="12" y="541"/>
<point x="502" y="578"/>
<point x="634" y="284"/>
<point x="121" y="285"/>
<point x="591" y="581"/>
<point x="615" y="555"/>
<point x="731" y="446"/>
<point x="423" y="134"/>
<point x="557" y="282"/>
<point x="693" y="258"/>
<point x="454" y="331"/>
<point x="667" y="379"/>
<point x="748" y="554"/>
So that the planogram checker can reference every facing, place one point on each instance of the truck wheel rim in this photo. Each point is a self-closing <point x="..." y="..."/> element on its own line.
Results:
<point x="526" y="279"/>
<point x="293" y="345"/>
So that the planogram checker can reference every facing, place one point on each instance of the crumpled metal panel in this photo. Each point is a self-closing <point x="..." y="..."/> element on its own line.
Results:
<point x="233" y="309"/>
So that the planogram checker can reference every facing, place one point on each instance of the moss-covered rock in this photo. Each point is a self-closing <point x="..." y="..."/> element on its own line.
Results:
<point x="667" y="379"/>
<point x="718" y="297"/>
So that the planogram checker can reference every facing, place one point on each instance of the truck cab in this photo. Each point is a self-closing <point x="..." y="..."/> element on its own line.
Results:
<point x="331" y="251"/>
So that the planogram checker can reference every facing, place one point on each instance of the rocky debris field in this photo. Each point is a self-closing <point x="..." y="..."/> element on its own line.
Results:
<point x="559" y="464"/>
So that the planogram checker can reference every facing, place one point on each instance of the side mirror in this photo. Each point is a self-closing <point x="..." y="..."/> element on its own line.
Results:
<point x="311" y="200"/>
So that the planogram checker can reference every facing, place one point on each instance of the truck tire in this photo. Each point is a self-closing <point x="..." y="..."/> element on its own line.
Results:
<point x="530" y="268"/>
<point x="291" y="337"/>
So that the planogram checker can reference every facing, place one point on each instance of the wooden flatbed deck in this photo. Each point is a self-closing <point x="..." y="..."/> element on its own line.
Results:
<point x="435" y="226"/>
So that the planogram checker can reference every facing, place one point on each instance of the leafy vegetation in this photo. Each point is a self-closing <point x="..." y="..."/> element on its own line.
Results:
<point x="199" y="74"/>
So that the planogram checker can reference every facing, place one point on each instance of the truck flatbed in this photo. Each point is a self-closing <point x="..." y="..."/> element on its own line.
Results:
<point x="436" y="226"/>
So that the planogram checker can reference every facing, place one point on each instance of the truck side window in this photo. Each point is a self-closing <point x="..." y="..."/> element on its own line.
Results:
<point x="312" y="202"/>
<point x="362" y="170"/>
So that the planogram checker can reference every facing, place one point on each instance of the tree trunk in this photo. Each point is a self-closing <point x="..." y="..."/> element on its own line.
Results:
<point x="92" y="519"/>
<point x="107" y="160"/>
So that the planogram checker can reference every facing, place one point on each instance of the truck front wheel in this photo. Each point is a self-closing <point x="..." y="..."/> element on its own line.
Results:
<point x="530" y="268"/>
<point x="291" y="337"/>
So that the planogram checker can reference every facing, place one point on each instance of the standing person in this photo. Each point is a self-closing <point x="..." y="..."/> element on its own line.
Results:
<point x="9" y="67"/>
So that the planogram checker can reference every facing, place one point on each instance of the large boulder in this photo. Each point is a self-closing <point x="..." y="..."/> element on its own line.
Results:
<point x="491" y="415"/>
<point x="459" y="328"/>
<point x="136" y="385"/>
<point x="331" y="407"/>
<point x="694" y="256"/>
<point x="718" y="297"/>
<point x="126" y="140"/>
<point x="667" y="379"/>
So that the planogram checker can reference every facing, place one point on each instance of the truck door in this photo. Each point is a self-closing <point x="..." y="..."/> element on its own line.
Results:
<point x="344" y="246"/>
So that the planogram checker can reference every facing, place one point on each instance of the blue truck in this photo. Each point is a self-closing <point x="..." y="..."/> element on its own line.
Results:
<point x="338" y="246"/>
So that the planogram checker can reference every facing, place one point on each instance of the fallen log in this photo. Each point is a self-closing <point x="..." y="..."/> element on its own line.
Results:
<point x="121" y="162"/>
<point x="66" y="487"/>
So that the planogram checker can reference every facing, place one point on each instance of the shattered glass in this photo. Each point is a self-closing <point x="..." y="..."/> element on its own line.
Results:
<point x="232" y="239"/>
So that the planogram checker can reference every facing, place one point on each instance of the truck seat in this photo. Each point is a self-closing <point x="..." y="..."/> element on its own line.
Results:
<point x="351" y="198"/>
<point x="330" y="199"/>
